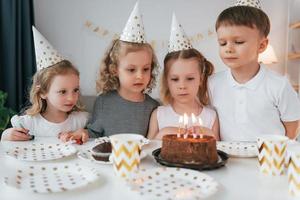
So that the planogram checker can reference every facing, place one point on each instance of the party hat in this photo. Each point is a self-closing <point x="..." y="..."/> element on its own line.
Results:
<point x="252" y="3"/>
<point x="178" y="39"/>
<point x="134" y="29"/>
<point x="45" y="54"/>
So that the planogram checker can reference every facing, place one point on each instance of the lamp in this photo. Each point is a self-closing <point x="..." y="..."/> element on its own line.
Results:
<point x="268" y="56"/>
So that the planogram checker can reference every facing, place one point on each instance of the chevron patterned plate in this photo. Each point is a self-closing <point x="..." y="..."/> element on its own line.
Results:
<point x="165" y="183"/>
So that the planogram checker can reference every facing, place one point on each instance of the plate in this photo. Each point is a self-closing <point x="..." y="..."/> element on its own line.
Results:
<point x="42" y="152"/>
<point x="87" y="155"/>
<point x="51" y="178"/>
<point x="100" y="140"/>
<point x="238" y="148"/>
<point x="172" y="183"/>
<point x="223" y="157"/>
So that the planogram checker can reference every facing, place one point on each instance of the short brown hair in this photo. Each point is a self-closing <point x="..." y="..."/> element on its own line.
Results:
<point x="41" y="84"/>
<point x="245" y="16"/>
<point x="108" y="80"/>
<point x="206" y="68"/>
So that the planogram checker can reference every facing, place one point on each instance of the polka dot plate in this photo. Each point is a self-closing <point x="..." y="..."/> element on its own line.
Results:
<point x="100" y="140"/>
<point x="51" y="178"/>
<point x="42" y="152"/>
<point x="172" y="183"/>
<point x="87" y="155"/>
<point x="238" y="148"/>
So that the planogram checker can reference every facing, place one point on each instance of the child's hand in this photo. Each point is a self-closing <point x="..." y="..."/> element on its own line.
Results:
<point x="64" y="136"/>
<point x="80" y="136"/>
<point x="159" y="136"/>
<point x="165" y="131"/>
<point x="201" y="130"/>
<point x="16" y="134"/>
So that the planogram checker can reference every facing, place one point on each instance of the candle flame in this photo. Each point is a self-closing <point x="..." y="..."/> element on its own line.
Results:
<point x="180" y="119"/>
<point x="194" y="119"/>
<point x="185" y="119"/>
<point x="180" y="126"/>
<point x="200" y="122"/>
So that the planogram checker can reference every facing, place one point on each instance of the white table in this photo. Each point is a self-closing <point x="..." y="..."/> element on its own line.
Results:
<point x="239" y="179"/>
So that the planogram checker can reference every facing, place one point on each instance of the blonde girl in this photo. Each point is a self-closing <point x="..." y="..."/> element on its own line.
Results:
<point x="55" y="109"/>
<point x="184" y="90"/>
<point x="127" y="74"/>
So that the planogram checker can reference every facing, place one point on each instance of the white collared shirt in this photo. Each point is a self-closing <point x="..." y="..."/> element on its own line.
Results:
<point x="255" y="108"/>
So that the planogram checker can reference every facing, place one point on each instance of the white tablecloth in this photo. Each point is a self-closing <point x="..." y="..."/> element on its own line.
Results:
<point x="239" y="179"/>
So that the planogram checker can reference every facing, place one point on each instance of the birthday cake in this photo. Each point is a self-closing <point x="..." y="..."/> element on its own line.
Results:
<point x="189" y="150"/>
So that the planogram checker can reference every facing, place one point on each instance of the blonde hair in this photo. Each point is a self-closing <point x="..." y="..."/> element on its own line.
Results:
<point x="41" y="84"/>
<point x="205" y="69"/>
<point x="108" y="80"/>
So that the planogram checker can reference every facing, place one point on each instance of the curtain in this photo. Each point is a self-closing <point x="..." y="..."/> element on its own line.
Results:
<point x="17" y="58"/>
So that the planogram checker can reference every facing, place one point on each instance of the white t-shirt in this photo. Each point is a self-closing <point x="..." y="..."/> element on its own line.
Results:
<point x="39" y="126"/>
<point x="255" y="108"/>
<point x="167" y="117"/>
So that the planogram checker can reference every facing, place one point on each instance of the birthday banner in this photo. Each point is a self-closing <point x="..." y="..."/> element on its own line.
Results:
<point x="156" y="44"/>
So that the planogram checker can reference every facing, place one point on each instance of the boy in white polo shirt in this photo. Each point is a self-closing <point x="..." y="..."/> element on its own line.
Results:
<point x="250" y="99"/>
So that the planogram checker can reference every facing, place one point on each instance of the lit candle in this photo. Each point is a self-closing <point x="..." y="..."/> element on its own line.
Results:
<point x="185" y="123"/>
<point x="194" y="121"/>
<point x="200" y="124"/>
<point x="180" y="126"/>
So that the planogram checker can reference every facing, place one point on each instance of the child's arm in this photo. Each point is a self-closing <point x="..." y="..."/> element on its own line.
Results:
<point x="80" y="135"/>
<point x="288" y="105"/>
<point x="215" y="131"/>
<point x="154" y="132"/>
<point x="20" y="130"/>
<point x="291" y="128"/>
<point x="166" y="131"/>
<point x="15" y="134"/>
<point x="153" y="125"/>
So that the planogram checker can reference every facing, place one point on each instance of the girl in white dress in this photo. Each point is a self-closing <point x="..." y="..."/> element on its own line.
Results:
<point x="54" y="94"/>
<point x="183" y="89"/>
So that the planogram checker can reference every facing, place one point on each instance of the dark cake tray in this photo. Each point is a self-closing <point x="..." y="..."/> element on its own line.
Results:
<point x="223" y="157"/>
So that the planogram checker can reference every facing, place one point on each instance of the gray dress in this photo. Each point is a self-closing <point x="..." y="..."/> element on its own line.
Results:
<point x="112" y="115"/>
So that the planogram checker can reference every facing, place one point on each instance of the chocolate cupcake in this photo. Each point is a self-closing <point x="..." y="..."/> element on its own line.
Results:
<point x="101" y="152"/>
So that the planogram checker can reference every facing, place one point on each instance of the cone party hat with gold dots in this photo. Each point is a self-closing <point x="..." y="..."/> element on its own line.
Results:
<point x="45" y="54"/>
<point x="178" y="39"/>
<point x="252" y="3"/>
<point x="134" y="29"/>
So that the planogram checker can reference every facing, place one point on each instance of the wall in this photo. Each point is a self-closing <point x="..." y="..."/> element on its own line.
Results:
<point x="62" y="22"/>
<point x="293" y="69"/>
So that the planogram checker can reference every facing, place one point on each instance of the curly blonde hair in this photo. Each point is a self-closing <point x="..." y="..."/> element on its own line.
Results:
<point x="206" y="68"/>
<point x="107" y="78"/>
<point x="41" y="84"/>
